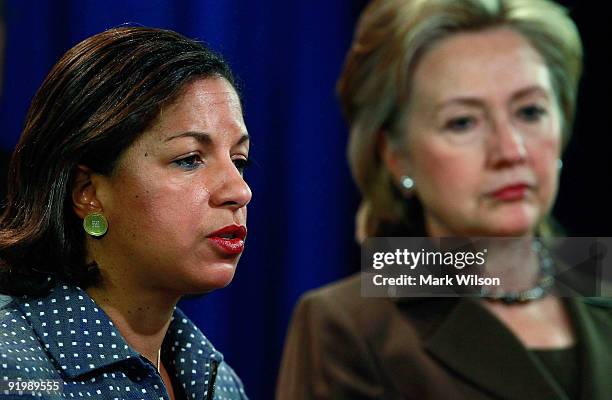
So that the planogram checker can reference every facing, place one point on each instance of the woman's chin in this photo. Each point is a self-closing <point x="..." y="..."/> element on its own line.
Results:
<point x="211" y="278"/>
<point x="515" y="221"/>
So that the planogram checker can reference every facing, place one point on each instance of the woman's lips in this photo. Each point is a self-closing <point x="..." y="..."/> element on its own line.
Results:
<point x="229" y="239"/>
<point x="511" y="192"/>
<point x="230" y="246"/>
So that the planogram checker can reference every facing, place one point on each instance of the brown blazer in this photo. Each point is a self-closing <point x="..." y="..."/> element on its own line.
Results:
<point x="343" y="346"/>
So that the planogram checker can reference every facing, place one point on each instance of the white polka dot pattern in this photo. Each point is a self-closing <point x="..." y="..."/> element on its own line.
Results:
<point x="66" y="336"/>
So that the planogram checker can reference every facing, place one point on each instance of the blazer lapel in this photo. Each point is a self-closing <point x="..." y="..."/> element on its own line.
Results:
<point x="593" y="322"/>
<point x="478" y="347"/>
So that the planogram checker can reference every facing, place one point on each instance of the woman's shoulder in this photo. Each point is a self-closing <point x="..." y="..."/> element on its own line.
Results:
<point x="347" y="288"/>
<point x="347" y="293"/>
<point x="342" y="298"/>
<point x="21" y="354"/>
<point x="339" y="341"/>
<point x="341" y="304"/>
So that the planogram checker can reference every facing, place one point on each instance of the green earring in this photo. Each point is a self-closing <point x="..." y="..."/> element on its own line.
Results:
<point x="95" y="224"/>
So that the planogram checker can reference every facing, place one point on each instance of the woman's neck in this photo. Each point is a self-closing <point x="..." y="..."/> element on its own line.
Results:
<point x="515" y="261"/>
<point x="141" y="316"/>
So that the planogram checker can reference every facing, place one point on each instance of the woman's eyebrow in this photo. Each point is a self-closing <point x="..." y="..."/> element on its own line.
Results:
<point x="201" y="137"/>
<point x="534" y="89"/>
<point x="460" y="100"/>
<point x="205" y="138"/>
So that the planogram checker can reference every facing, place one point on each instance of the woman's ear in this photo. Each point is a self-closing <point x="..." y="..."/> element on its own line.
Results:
<point x="395" y="160"/>
<point x="84" y="200"/>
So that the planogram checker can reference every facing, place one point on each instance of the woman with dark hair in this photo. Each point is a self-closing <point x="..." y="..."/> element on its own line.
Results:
<point x="458" y="113"/>
<point x="125" y="193"/>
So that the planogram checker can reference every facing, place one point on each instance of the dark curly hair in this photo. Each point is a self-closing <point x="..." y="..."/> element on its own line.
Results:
<point x="94" y="103"/>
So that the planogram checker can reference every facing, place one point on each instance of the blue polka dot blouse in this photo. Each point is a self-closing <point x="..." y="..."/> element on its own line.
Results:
<point x="65" y="336"/>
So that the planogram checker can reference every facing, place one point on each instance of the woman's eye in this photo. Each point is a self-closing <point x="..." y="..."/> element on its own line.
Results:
<point x="531" y="113"/>
<point x="189" y="163"/>
<point x="460" y="124"/>
<point x="242" y="164"/>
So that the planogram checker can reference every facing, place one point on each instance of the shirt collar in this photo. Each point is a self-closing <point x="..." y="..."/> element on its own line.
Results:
<point x="192" y="358"/>
<point x="76" y="333"/>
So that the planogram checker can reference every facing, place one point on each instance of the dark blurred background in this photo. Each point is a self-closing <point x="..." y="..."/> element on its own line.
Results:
<point x="288" y="56"/>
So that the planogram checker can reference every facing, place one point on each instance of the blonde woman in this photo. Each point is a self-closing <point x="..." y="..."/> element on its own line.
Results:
<point x="458" y="111"/>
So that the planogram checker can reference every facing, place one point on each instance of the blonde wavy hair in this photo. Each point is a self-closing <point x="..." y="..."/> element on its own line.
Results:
<point x="390" y="39"/>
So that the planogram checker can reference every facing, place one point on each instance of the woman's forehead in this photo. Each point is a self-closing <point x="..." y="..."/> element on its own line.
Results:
<point x="208" y="111"/>
<point x="479" y="64"/>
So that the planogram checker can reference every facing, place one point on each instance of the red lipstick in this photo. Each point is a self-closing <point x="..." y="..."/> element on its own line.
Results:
<point x="229" y="239"/>
<point x="511" y="192"/>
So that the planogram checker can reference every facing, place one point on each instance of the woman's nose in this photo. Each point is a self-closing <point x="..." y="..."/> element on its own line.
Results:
<point x="507" y="145"/>
<point x="231" y="191"/>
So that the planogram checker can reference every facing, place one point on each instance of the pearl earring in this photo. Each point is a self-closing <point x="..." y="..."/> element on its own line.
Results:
<point x="407" y="182"/>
